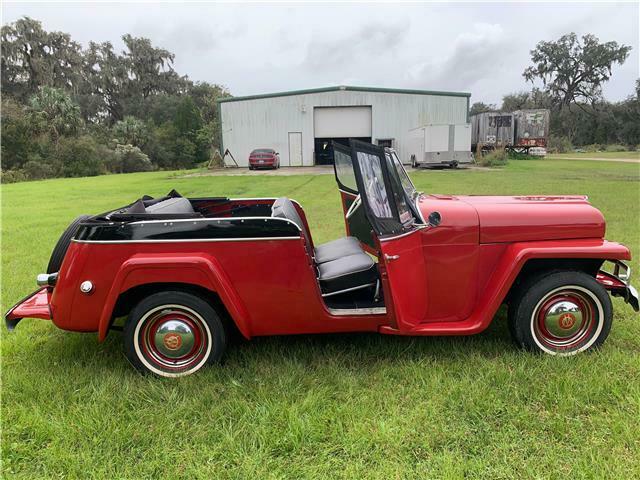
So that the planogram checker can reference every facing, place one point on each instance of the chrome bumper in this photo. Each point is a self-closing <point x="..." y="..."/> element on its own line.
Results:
<point x="617" y="282"/>
<point x="630" y="295"/>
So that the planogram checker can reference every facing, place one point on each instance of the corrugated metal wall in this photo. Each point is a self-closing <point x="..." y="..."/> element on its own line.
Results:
<point x="266" y="122"/>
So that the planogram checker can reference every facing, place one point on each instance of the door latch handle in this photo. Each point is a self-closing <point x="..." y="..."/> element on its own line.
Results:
<point x="389" y="258"/>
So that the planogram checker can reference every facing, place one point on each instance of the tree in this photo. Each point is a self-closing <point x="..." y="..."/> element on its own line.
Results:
<point x="105" y="76"/>
<point x="573" y="70"/>
<point x="150" y="69"/>
<point x="33" y="57"/>
<point x="17" y="135"/>
<point x="480" y="107"/>
<point x="131" y="131"/>
<point x="53" y="111"/>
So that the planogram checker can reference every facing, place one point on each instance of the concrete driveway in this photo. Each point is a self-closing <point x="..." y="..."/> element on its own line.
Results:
<point x="287" y="171"/>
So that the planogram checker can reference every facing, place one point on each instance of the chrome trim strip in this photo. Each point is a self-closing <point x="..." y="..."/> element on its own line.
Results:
<point x="214" y="219"/>
<point x="348" y="290"/>
<point x="358" y="311"/>
<point x="190" y="240"/>
<point x="416" y="201"/>
<point x="416" y="228"/>
<point x="262" y="198"/>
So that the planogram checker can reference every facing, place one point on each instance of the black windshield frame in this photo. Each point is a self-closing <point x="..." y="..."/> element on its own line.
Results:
<point x="400" y="172"/>
<point x="337" y="147"/>
<point x="382" y="225"/>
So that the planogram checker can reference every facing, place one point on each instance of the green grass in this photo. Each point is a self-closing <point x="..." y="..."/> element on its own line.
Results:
<point x="605" y="155"/>
<point x="341" y="406"/>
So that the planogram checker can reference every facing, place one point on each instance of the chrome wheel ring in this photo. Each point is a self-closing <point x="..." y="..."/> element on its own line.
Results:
<point x="172" y="340"/>
<point x="567" y="320"/>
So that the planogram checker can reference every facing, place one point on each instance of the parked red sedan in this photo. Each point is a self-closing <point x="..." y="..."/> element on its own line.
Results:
<point x="264" y="158"/>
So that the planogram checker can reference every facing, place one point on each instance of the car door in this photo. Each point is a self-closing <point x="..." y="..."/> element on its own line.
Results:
<point x="397" y="231"/>
<point x="356" y="222"/>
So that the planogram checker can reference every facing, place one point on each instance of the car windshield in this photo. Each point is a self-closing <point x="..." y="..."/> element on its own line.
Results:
<point x="407" y="185"/>
<point x="262" y="150"/>
<point x="400" y="195"/>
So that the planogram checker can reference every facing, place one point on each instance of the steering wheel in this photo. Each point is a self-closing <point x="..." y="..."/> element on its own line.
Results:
<point x="354" y="206"/>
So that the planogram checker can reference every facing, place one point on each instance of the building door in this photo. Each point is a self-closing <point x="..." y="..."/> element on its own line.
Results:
<point x="295" y="149"/>
<point x="339" y="124"/>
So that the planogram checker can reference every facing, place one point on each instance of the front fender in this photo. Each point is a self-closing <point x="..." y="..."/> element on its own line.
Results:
<point x="201" y="270"/>
<point x="505" y="273"/>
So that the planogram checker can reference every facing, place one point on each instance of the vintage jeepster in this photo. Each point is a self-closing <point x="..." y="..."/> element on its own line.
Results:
<point x="186" y="271"/>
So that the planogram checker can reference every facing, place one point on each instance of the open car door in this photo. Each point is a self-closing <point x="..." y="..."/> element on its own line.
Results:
<point x="356" y="222"/>
<point x="387" y="204"/>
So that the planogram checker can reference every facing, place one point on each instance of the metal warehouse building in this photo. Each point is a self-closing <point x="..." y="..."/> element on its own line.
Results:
<point x="300" y="124"/>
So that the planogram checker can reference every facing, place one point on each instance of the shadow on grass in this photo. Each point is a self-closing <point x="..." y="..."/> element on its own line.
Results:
<point x="59" y="352"/>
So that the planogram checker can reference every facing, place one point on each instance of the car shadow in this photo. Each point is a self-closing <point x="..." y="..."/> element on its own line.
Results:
<point x="61" y="352"/>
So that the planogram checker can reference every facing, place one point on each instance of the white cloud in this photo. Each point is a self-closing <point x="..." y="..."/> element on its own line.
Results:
<point x="255" y="48"/>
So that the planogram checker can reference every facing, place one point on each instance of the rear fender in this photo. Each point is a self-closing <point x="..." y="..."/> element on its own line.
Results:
<point x="201" y="270"/>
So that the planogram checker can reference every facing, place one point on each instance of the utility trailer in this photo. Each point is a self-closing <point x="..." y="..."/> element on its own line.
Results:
<point x="491" y="130"/>
<point x="440" y="145"/>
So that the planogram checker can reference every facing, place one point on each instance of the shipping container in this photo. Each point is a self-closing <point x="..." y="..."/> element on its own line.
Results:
<point x="440" y="145"/>
<point x="490" y="130"/>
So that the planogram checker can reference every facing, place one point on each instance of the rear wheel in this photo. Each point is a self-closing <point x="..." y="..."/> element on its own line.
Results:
<point x="562" y="313"/>
<point x="173" y="334"/>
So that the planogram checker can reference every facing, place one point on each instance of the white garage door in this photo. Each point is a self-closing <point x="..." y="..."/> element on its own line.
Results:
<point x="342" y="122"/>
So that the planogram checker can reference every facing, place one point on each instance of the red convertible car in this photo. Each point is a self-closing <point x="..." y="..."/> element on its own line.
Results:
<point x="184" y="271"/>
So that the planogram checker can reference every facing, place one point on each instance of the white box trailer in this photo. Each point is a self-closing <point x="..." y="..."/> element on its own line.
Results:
<point x="440" y="145"/>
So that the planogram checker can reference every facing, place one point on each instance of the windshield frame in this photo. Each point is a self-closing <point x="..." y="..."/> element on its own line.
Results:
<point x="412" y="196"/>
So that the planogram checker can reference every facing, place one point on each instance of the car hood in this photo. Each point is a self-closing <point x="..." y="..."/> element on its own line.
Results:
<point x="504" y="219"/>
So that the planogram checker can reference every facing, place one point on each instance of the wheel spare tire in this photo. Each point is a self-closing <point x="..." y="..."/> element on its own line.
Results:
<point x="60" y="250"/>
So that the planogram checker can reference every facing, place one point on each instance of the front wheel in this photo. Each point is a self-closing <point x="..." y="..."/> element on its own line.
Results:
<point x="562" y="313"/>
<point x="173" y="334"/>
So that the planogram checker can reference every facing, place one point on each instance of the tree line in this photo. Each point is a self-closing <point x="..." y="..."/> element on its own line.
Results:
<point x="74" y="111"/>
<point x="573" y="71"/>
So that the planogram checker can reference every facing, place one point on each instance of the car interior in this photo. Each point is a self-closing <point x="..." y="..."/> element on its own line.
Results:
<point x="347" y="276"/>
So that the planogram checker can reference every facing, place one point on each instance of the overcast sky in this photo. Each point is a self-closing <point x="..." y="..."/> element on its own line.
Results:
<point x="258" y="48"/>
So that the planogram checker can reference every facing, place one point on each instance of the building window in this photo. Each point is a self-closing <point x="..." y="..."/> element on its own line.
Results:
<point x="385" y="142"/>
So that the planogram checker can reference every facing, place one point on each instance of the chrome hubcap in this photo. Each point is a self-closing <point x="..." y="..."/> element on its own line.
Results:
<point x="563" y="319"/>
<point x="174" y="338"/>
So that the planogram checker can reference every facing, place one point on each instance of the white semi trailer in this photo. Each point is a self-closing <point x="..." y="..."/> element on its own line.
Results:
<point x="440" y="145"/>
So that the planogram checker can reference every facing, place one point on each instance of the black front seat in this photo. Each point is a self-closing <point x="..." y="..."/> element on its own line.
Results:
<point x="327" y="252"/>
<point x="352" y="272"/>
<point x="342" y="264"/>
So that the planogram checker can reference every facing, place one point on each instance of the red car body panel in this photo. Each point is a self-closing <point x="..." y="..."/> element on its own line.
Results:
<point x="278" y="296"/>
<point x="500" y="267"/>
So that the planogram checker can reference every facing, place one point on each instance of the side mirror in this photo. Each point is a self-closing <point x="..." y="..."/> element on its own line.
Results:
<point x="434" y="219"/>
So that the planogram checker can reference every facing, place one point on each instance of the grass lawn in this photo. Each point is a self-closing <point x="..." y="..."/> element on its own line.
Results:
<point x="341" y="406"/>
<point x="605" y="155"/>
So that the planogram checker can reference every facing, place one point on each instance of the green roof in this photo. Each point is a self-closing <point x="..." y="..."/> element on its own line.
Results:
<point x="347" y="88"/>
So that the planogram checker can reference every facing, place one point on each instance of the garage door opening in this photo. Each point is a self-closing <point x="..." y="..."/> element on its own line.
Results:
<point x="338" y="124"/>
<point x="324" y="152"/>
